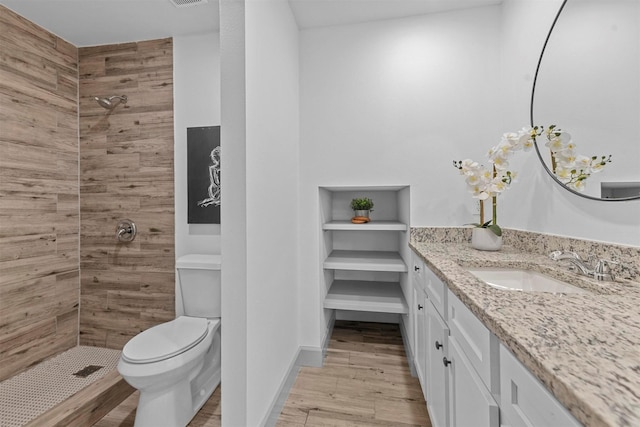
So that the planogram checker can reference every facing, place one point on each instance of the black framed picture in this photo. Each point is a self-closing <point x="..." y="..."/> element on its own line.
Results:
<point x="203" y="175"/>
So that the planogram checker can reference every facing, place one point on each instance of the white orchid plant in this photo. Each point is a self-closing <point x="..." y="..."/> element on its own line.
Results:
<point x="488" y="182"/>
<point x="571" y="168"/>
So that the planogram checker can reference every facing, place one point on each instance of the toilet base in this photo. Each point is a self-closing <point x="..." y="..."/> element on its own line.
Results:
<point x="176" y="406"/>
<point x="171" y="407"/>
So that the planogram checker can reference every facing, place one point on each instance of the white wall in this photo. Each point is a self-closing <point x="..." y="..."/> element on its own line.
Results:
<point x="233" y="213"/>
<point x="272" y="200"/>
<point x="259" y="41"/>
<point x="394" y="103"/>
<point x="536" y="203"/>
<point x="196" y="103"/>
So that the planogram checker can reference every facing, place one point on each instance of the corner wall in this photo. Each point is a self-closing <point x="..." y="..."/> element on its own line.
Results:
<point x="393" y="103"/>
<point x="39" y="204"/>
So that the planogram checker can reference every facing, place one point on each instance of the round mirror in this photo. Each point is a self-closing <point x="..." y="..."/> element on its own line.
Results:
<point x="587" y="85"/>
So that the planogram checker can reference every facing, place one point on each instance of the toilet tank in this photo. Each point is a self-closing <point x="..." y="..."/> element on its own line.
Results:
<point x="199" y="285"/>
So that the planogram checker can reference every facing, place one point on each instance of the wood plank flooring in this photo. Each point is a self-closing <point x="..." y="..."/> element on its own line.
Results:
<point x="365" y="381"/>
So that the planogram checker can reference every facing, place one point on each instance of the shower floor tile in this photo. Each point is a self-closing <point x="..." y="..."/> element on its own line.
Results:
<point x="37" y="390"/>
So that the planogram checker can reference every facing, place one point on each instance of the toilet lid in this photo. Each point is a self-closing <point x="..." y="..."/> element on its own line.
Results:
<point x="165" y="340"/>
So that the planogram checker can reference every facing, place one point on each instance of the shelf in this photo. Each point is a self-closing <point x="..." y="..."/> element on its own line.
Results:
<point x="370" y="226"/>
<point x="357" y="295"/>
<point x="360" y="188"/>
<point x="373" y="278"/>
<point x="365" y="261"/>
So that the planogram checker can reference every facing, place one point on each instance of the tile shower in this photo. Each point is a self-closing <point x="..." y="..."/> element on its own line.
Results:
<point x="69" y="171"/>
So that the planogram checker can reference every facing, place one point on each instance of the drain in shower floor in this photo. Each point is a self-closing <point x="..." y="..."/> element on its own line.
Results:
<point x="87" y="370"/>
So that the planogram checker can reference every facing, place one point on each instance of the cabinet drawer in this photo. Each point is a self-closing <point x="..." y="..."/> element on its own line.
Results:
<point x="436" y="291"/>
<point x="524" y="401"/>
<point x="476" y="341"/>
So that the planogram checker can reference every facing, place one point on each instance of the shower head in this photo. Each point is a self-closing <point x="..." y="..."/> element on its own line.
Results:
<point x="111" y="102"/>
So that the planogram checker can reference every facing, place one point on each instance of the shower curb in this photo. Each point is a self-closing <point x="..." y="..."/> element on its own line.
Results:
<point x="87" y="406"/>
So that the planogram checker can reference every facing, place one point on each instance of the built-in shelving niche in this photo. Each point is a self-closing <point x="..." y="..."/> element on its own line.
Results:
<point x="365" y="265"/>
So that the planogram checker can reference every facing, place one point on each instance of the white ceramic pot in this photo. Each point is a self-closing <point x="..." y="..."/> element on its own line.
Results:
<point x="484" y="239"/>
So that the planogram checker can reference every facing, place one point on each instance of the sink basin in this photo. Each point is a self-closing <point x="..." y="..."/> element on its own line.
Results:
<point x="523" y="280"/>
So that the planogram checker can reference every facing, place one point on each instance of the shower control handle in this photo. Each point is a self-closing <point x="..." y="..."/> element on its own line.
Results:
<point x="126" y="231"/>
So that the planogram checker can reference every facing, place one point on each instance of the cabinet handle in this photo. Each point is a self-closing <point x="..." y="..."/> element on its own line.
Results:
<point x="446" y="362"/>
<point x="416" y="268"/>
<point x="420" y="307"/>
<point x="438" y="345"/>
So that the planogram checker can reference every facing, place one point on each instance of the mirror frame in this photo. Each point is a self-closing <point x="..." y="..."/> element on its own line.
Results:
<point x="533" y="92"/>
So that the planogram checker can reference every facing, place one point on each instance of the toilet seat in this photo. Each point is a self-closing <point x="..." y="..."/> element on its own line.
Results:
<point x="165" y="340"/>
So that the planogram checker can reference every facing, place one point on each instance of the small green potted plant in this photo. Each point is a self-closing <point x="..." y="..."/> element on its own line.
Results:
<point x="362" y="206"/>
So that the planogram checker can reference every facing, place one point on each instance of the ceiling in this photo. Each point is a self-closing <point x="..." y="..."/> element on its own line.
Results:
<point x="98" y="22"/>
<point x="322" y="13"/>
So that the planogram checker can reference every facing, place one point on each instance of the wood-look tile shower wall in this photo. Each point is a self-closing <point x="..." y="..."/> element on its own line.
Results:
<point x="126" y="171"/>
<point x="58" y="213"/>
<point x="39" y="205"/>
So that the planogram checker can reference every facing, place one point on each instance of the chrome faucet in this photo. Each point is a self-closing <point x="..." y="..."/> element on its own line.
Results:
<point x="126" y="231"/>
<point x="574" y="259"/>
<point x="598" y="269"/>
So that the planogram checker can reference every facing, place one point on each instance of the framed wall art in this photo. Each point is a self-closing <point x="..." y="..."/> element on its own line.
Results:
<point x="203" y="175"/>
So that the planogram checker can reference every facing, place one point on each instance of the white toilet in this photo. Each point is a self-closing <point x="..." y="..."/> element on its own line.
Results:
<point x="176" y="365"/>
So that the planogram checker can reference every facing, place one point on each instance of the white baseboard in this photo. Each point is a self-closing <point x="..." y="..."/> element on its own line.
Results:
<point x="310" y="356"/>
<point x="283" y="392"/>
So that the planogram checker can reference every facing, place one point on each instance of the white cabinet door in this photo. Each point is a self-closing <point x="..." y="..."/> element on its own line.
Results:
<point x="470" y="402"/>
<point x="420" y="327"/>
<point x="476" y="341"/>
<point x="437" y="387"/>
<point x="524" y="401"/>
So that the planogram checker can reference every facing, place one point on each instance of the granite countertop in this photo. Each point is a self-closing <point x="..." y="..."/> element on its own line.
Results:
<point x="584" y="347"/>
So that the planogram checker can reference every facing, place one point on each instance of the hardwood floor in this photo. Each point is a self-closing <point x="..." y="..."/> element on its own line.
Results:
<point x="365" y="381"/>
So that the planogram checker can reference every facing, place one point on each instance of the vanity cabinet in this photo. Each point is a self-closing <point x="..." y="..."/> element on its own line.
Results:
<point x="446" y="331"/>
<point x="430" y="341"/>
<point x="469" y="378"/>
<point x="365" y="265"/>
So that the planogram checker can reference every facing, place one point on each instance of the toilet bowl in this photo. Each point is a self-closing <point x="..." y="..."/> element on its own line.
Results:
<point x="176" y="365"/>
